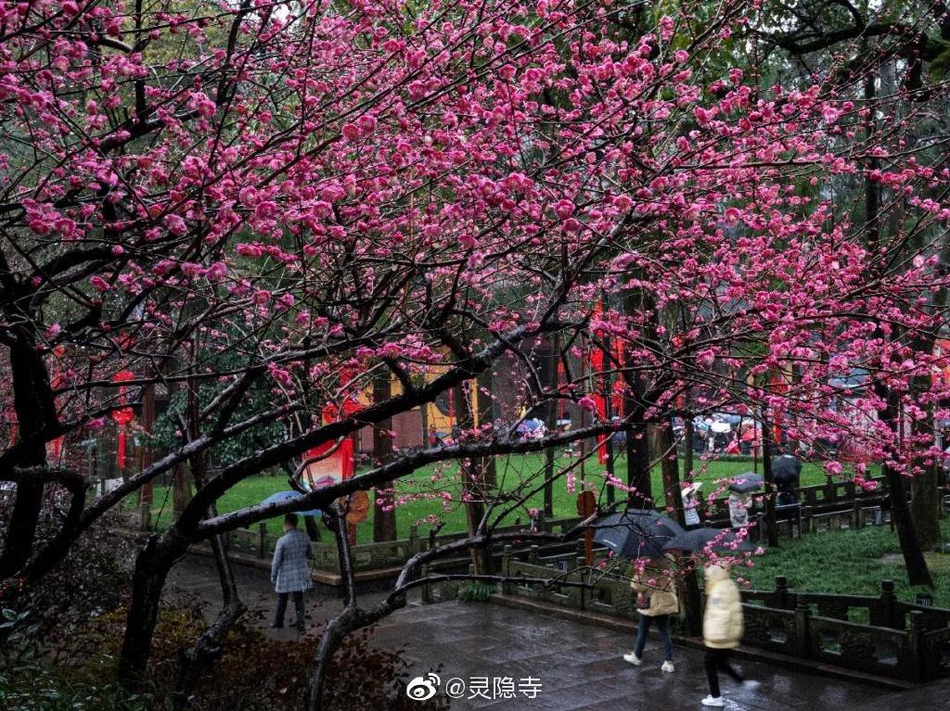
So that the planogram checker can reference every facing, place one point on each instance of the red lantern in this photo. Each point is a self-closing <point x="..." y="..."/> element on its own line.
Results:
<point x="331" y="413"/>
<point x="122" y="417"/>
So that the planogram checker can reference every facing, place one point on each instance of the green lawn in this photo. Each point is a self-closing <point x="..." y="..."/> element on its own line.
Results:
<point x="852" y="562"/>
<point x="421" y="503"/>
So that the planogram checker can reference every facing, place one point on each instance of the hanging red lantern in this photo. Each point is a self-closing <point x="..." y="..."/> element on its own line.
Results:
<point x="331" y="412"/>
<point x="122" y="417"/>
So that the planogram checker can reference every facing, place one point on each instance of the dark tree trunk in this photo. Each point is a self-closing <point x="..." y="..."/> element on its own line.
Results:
<point x="486" y="415"/>
<point x="636" y="303"/>
<point x="688" y="435"/>
<point x="473" y="490"/>
<point x="333" y="634"/>
<point x="384" y="513"/>
<point x="152" y="565"/>
<point x="208" y="648"/>
<point x="22" y="529"/>
<point x="36" y="418"/>
<point x="181" y="489"/>
<point x="917" y="572"/>
<point x="925" y="508"/>
<point x="550" y="422"/>
<point x="151" y="569"/>
<point x="925" y="500"/>
<point x="181" y="481"/>
<point x="638" y="468"/>
<point x="669" y="468"/>
<point x="341" y="625"/>
<point x="147" y="453"/>
<point x="692" y="604"/>
<point x="770" y="529"/>
<point x="605" y="378"/>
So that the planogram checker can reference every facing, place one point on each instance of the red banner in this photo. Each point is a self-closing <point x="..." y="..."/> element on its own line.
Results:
<point x="599" y="365"/>
<point x="330" y="469"/>
<point x="122" y="417"/>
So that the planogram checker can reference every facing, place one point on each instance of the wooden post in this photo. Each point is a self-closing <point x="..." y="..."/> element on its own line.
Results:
<point x="802" y="628"/>
<point x="692" y="621"/>
<point x="506" y="569"/>
<point x="829" y="489"/>
<point x="808" y="519"/>
<point x="889" y="606"/>
<point x="262" y="540"/>
<point x="586" y="506"/>
<point x="145" y="516"/>
<point x="426" y="589"/>
<point x="914" y="660"/>
<point x="781" y="591"/>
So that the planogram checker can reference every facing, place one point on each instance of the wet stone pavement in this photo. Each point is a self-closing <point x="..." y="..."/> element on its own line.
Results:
<point x="504" y="657"/>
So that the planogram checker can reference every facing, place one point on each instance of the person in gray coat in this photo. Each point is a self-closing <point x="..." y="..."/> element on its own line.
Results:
<point x="289" y="572"/>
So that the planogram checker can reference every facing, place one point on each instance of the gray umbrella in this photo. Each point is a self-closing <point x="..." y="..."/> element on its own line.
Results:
<point x="635" y="533"/>
<point x="713" y="540"/>
<point x="744" y="483"/>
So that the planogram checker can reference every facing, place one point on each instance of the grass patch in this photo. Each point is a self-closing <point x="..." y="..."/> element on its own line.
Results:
<point x="849" y="562"/>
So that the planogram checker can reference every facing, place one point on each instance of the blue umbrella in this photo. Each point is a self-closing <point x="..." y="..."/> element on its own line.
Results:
<point x="284" y="495"/>
<point x="729" y="417"/>
<point x="853" y="379"/>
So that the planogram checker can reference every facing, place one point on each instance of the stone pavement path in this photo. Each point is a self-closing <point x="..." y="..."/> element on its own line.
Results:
<point x="579" y="666"/>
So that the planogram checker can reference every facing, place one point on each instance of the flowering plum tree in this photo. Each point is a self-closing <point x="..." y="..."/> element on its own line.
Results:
<point x="306" y="197"/>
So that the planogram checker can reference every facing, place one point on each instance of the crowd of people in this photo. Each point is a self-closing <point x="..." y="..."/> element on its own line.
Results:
<point x="723" y="433"/>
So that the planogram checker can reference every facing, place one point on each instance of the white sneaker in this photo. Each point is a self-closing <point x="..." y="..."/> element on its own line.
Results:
<point x="751" y="684"/>
<point x="667" y="667"/>
<point x="632" y="658"/>
<point x="713" y="701"/>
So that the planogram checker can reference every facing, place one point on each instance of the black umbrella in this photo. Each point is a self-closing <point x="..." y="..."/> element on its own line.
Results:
<point x="636" y="534"/>
<point x="713" y="540"/>
<point x="786" y="469"/>
<point x="744" y="483"/>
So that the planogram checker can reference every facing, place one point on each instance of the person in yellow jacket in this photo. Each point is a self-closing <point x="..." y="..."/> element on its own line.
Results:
<point x="656" y="596"/>
<point x="722" y="630"/>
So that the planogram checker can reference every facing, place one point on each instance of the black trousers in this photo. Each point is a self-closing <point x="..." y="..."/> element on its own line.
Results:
<point x="282" y="608"/>
<point x="718" y="660"/>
